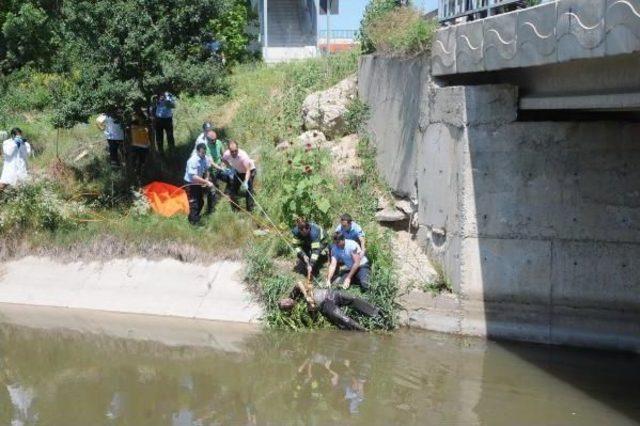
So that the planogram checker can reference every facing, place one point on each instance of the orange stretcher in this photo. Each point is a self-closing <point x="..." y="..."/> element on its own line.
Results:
<point x="166" y="200"/>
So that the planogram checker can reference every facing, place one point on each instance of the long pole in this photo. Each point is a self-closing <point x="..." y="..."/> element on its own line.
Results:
<point x="328" y="27"/>
<point x="266" y="24"/>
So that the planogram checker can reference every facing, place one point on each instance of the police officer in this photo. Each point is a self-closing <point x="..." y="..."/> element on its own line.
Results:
<point x="197" y="178"/>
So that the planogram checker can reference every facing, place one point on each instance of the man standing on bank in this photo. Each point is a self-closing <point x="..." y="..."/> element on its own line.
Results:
<point x="196" y="177"/>
<point x="165" y="104"/>
<point x="242" y="176"/>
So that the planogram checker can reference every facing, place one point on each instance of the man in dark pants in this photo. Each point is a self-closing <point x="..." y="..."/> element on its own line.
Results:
<point x="330" y="303"/>
<point x="196" y="177"/>
<point x="348" y="263"/>
<point x="164" y="107"/>
<point x="242" y="176"/>
<point x="310" y="247"/>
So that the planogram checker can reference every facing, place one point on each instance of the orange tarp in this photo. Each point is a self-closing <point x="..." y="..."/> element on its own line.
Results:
<point x="166" y="200"/>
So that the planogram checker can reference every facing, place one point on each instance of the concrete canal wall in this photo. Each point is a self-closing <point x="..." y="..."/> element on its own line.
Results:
<point x="536" y="223"/>
<point x="137" y="286"/>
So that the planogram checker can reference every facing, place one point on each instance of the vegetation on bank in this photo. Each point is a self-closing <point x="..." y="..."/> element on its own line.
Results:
<point x="79" y="206"/>
<point x="392" y="29"/>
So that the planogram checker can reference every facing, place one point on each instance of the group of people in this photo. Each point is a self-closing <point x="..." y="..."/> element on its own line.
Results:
<point x="161" y="114"/>
<point x="348" y="264"/>
<point x="210" y="165"/>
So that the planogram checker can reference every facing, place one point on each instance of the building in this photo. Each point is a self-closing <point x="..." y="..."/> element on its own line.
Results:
<point x="298" y="29"/>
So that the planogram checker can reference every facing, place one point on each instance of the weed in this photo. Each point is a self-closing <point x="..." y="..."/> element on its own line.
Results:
<point x="401" y="32"/>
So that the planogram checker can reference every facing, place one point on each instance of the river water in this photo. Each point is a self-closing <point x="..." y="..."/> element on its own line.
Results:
<point x="73" y="368"/>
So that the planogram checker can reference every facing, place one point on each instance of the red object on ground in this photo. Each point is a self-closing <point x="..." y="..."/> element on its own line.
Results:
<point x="166" y="200"/>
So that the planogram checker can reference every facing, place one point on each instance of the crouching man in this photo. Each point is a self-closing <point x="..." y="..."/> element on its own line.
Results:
<point x="348" y="263"/>
<point x="330" y="303"/>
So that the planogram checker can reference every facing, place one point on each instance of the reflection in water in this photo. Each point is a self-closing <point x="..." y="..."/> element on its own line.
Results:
<point x="58" y="377"/>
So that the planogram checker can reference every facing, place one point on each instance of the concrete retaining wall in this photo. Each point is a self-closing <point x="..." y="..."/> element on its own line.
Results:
<point x="537" y="224"/>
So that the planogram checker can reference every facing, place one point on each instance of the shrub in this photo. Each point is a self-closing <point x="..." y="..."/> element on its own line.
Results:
<point x="37" y="206"/>
<point x="357" y="115"/>
<point x="374" y="10"/>
<point x="401" y="32"/>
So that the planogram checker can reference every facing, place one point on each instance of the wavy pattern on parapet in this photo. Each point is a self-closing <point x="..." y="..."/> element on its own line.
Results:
<point x="442" y="47"/>
<point x="580" y="23"/>
<point x="535" y="30"/>
<point x="466" y="39"/>
<point x="583" y="33"/>
<point x="501" y="51"/>
<point x="447" y="59"/>
<point x="503" y="41"/>
<point x="625" y="3"/>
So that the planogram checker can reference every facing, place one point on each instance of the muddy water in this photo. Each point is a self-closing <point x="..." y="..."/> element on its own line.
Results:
<point x="58" y="368"/>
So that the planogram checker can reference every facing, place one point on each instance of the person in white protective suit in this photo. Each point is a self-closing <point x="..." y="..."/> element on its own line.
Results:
<point x="15" y="155"/>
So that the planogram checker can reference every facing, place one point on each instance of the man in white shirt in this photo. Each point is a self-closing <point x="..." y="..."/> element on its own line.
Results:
<point x="114" y="134"/>
<point x="15" y="153"/>
<point x="244" y="173"/>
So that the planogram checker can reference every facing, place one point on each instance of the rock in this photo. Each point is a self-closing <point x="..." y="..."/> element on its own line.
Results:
<point x="312" y="139"/>
<point x="382" y="202"/>
<point x="260" y="232"/>
<point x="346" y="163"/>
<point x="283" y="146"/>
<point x="405" y="206"/>
<point x="390" y="215"/>
<point x="325" y="110"/>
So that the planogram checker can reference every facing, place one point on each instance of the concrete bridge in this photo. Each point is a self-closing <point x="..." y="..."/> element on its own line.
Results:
<point x="568" y="54"/>
<point x="519" y="138"/>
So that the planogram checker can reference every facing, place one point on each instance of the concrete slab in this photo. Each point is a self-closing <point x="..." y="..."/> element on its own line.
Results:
<point x="536" y="33"/>
<point x="581" y="29"/>
<point x="167" y="287"/>
<point x="469" y="53"/>
<point x="443" y="52"/>
<point x="500" y="44"/>
<point x="622" y="21"/>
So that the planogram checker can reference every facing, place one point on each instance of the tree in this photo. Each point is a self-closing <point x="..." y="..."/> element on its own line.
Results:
<point x="230" y="29"/>
<point x="125" y="51"/>
<point x="29" y="33"/>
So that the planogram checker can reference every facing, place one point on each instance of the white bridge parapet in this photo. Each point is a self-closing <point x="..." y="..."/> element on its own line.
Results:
<point x="551" y="33"/>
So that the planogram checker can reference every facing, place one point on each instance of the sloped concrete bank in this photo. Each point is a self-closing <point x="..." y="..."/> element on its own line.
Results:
<point x="534" y="223"/>
<point x="136" y="286"/>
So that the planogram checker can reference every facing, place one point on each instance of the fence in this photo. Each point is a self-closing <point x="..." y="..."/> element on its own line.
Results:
<point x="449" y="10"/>
<point x="338" y="34"/>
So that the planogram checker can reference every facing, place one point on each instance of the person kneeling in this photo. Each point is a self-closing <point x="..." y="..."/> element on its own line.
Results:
<point x="310" y="247"/>
<point x="353" y="264"/>
<point x="330" y="303"/>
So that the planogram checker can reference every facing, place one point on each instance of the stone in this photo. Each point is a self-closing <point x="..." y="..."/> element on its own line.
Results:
<point x="312" y="139"/>
<point x="405" y="206"/>
<point x="326" y="110"/>
<point x="283" y="146"/>
<point x="390" y="215"/>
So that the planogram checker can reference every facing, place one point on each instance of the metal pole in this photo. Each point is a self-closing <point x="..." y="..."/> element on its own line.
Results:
<point x="328" y="27"/>
<point x="266" y="25"/>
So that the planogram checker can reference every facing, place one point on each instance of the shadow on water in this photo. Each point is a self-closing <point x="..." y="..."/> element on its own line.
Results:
<point x="114" y="369"/>
<point x="556" y="253"/>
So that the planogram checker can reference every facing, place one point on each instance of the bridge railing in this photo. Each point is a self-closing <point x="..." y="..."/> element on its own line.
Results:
<point x="449" y="10"/>
<point x="338" y="34"/>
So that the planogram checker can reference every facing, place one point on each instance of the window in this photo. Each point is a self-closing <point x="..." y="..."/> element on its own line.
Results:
<point x="335" y="8"/>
